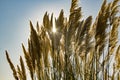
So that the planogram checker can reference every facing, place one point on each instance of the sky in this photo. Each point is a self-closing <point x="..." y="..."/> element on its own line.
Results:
<point x="14" y="24"/>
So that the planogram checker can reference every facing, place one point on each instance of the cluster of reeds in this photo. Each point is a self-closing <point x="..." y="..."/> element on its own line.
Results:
<point x="78" y="50"/>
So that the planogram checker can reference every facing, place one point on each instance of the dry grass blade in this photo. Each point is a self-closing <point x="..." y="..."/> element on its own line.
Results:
<point x="86" y="26"/>
<point x="38" y="28"/>
<point x="101" y="27"/>
<point x="117" y="58"/>
<point x="12" y="66"/>
<point x="31" y="53"/>
<point x="73" y="5"/>
<point x="35" y="41"/>
<point x="114" y="3"/>
<point x="79" y="30"/>
<point x="114" y="10"/>
<point x="103" y="5"/>
<point x="113" y="36"/>
<point x="46" y="22"/>
<point x="60" y="22"/>
<point x="101" y="35"/>
<point x="19" y="73"/>
<point x="23" y="69"/>
<point x="29" y="62"/>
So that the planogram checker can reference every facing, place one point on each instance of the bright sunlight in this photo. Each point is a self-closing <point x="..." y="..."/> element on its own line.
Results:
<point x="54" y="30"/>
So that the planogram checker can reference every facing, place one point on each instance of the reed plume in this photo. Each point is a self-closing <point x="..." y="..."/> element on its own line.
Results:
<point x="79" y="49"/>
<point x="12" y="66"/>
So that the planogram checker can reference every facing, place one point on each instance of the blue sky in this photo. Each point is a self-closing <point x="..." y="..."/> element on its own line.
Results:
<point x="14" y="24"/>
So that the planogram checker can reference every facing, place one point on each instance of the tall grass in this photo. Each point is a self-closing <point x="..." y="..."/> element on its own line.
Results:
<point x="78" y="50"/>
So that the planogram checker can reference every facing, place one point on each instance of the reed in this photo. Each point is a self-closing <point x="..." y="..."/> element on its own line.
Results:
<point x="80" y="49"/>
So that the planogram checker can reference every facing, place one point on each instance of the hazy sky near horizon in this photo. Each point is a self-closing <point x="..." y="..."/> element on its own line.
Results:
<point x="14" y="24"/>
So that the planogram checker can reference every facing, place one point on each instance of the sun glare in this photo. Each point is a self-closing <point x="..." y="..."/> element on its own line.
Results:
<point x="54" y="29"/>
